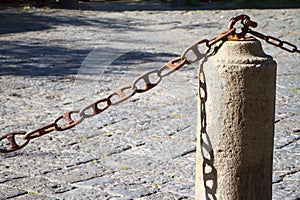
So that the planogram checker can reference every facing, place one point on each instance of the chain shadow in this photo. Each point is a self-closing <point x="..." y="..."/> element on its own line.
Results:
<point x="208" y="170"/>
<point x="210" y="174"/>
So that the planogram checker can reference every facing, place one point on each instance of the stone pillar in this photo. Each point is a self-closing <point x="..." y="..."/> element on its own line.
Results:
<point x="236" y="123"/>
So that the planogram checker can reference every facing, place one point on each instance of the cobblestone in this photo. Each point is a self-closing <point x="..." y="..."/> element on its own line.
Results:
<point x="145" y="147"/>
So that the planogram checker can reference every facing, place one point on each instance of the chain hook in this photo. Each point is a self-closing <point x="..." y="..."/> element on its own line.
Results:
<point x="245" y="21"/>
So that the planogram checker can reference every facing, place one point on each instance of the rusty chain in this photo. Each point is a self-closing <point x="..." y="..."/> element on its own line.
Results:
<point x="149" y="80"/>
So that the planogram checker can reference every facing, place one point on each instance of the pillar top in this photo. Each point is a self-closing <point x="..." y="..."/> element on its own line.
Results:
<point x="242" y="52"/>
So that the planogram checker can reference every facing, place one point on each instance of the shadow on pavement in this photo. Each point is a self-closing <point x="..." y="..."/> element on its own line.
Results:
<point x="22" y="59"/>
<point x="17" y="21"/>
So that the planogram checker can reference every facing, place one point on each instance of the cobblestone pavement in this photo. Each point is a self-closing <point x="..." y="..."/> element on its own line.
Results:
<point x="145" y="147"/>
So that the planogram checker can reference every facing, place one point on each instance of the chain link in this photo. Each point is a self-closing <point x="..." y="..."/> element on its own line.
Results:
<point x="11" y="138"/>
<point x="148" y="80"/>
<point x="287" y="46"/>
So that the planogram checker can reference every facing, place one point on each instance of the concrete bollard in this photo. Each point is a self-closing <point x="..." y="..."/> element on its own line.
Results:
<point x="236" y="123"/>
